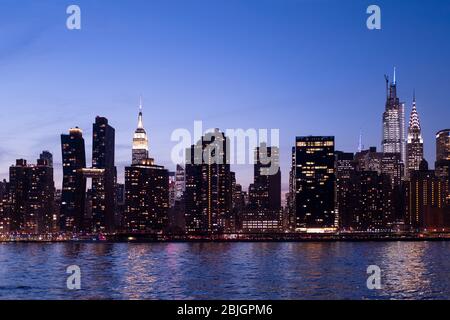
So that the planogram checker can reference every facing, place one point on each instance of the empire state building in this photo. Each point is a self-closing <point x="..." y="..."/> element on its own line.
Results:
<point x="140" y="140"/>
<point x="394" y="122"/>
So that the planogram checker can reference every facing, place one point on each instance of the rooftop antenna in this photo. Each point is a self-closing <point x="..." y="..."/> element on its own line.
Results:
<point x="395" y="81"/>
<point x="360" y="145"/>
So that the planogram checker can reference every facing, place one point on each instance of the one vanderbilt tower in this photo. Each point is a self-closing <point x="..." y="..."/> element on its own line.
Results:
<point x="394" y="122"/>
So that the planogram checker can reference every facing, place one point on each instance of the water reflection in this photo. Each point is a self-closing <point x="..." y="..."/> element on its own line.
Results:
<point x="410" y="270"/>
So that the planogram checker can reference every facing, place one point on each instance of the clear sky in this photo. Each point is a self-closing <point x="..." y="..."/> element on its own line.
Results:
<point x="305" y="67"/>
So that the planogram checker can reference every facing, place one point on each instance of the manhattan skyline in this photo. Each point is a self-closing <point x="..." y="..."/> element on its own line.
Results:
<point x="260" y="72"/>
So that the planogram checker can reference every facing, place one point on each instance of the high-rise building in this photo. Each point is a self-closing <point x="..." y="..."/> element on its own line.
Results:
<point x="19" y="178"/>
<point x="32" y="195"/>
<point x="394" y="122"/>
<point x="146" y="197"/>
<point x="208" y="195"/>
<point x="314" y="182"/>
<point x="382" y="163"/>
<point x="265" y="192"/>
<point x="367" y="205"/>
<point x="344" y="168"/>
<point x="414" y="145"/>
<point x="4" y="207"/>
<point x="442" y="165"/>
<point x="103" y="177"/>
<point x="425" y="198"/>
<point x="180" y="182"/>
<point x="443" y="153"/>
<point x="73" y="193"/>
<point x="140" y="140"/>
<point x="390" y="165"/>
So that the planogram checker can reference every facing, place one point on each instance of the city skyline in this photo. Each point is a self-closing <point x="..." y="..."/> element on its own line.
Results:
<point x="269" y="84"/>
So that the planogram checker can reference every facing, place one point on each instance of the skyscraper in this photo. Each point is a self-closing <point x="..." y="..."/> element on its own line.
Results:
<point x="103" y="183"/>
<point x="180" y="182"/>
<point x="32" y="196"/>
<point x="368" y="202"/>
<point x="425" y="197"/>
<point x="74" y="182"/>
<point x="208" y="192"/>
<point x="394" y="122"/>
<point x="146" y="197"/>
<point x="4" y="207"/>
<point x="344" y="167"/>
<point x="314" y="182"/>
<point x="265" y="191"/>
<point x="414" y="146"/>
<point x="442" y="153"/>
<point x="140" y="140"/>
<point x="443" y="159"/>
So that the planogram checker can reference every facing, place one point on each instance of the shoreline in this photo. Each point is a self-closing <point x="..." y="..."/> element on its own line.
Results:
<point x="257" y="239"/>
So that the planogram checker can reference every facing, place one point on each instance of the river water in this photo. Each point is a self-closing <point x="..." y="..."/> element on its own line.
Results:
<point x="289" y="270"/>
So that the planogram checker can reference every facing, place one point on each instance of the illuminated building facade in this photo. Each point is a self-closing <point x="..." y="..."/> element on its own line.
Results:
<point x="208" y="195"/>
<point x="425" y="194"/>
<point x="32" y="195"/>
<point x="146" y="197"/>
<point x="103" y="184"/>
<point x="73" y="193"/>
<point x="4" y="207"/>
<point x="394" y="122"/>
<point x="414" y="145"/>
<point x="442" y="165"/>
<point x="314" y="182"/>
<point x="140" y="140"/>
<point x="261" y="221"/>
<point x="368" y="203"/>
<point x="344" y="167"/>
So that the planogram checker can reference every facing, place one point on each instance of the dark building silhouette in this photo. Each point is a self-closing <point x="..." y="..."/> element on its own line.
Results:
<point x="391" y="165"/>
<point x="425" y="194"/>
<point x="314" y="182"/>
<point x="146" y="197"/>
<point x="32" y="197"/>
<point x="103" y="181"/>
<point x="4" y="207"/>
<point x="73" y="192"/>
<point x="47" y="156"/>
<point x="265" y="192"/>
<point x="208" y="194"/>
<point x="344" y="168"/>
<point x="442" y="165"/>
<point x="367" y="204"/>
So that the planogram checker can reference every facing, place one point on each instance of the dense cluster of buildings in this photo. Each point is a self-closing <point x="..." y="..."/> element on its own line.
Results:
<point x="385" y="191"/>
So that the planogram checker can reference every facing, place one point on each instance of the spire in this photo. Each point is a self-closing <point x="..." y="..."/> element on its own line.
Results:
<point x="394" y="82"/>
<point x="360" y="145"/>
<point x="140" y="122"/>
<point x="414" y="121"/>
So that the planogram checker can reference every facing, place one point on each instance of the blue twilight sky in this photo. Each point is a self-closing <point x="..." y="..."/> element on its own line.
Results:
<point x="306" y="67"/>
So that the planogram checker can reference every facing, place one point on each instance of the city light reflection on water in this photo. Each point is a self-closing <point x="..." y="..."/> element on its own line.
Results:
<point x="328" y="270"/>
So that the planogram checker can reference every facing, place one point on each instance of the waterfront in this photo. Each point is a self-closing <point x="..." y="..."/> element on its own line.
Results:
<point x="291" y="270"/>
